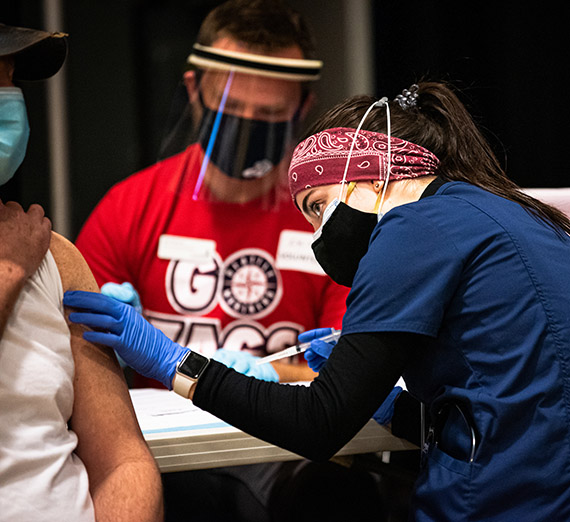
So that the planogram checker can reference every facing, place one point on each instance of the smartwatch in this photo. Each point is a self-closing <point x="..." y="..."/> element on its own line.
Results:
<point x="188" y="371"/>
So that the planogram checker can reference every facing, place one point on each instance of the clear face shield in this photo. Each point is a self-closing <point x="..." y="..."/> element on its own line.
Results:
<point x="237" y="130"/>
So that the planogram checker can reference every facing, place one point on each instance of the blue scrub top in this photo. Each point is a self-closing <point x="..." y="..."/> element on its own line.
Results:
<point x="490" y="284"/>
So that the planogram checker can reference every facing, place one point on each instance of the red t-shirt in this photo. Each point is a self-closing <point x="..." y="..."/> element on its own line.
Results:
<point x="236" y="276"/>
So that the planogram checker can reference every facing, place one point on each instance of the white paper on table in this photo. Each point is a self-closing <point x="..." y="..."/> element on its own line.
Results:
<point x="162" y="411"/>
<point x="402" y="383"/>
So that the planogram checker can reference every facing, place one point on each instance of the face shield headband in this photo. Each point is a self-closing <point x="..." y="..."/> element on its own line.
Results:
<point x="300" y="70"/>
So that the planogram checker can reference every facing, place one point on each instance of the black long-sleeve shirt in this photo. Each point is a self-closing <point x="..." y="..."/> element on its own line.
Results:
<point x="318" y="420"/>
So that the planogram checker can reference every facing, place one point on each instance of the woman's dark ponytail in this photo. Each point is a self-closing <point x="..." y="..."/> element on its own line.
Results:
<point x="441" y="123"/>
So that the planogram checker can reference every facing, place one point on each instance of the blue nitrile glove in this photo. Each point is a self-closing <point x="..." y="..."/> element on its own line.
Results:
<point x="127" y="294"/>
<point x="317" y="355"/>
<point x="124" y="292"/>
<point x="384" y="414"/>
<point x="121" y="327"/>
<point x="245" y="363"/>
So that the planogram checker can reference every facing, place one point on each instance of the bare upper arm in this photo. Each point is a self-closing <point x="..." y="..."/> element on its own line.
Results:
<point x="74" y="271"/>
<point x="103" y="417"/>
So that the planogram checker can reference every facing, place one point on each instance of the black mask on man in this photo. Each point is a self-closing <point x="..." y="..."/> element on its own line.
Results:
<point x="343" y="242"/>
<point x="244" y="148"/>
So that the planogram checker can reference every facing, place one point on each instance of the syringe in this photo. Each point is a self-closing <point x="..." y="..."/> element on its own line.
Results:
<point x="298" y="348"/>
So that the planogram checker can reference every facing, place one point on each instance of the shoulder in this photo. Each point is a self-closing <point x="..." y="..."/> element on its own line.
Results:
<point x="167" y="168"/>
<point x="458" y="194"/>
<point x="153" y="182"/>
<point x="453" y="222"/>
<point x="447" y="209"/>
<point x="73" y="269"/>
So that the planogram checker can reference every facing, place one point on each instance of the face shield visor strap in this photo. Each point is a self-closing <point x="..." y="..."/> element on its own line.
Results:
<point x="294" y="69"/>
<point x="213" y="135"/>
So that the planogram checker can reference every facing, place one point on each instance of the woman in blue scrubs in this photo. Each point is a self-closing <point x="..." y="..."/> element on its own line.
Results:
<point x="459" y="282"/>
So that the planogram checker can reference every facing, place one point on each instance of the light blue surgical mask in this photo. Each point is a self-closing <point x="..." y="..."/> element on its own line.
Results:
<point x="14" y="131"/>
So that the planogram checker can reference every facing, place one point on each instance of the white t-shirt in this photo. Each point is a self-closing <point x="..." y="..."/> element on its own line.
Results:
<point x="41" y="479"/>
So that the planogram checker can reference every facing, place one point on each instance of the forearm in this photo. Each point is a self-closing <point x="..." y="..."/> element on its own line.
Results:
<point x="124" y="480"/>
<point x="293" y="372"/>
<point x="131" y="493"/>
<point x="314" y="421"/>
<point x="13" y="279"/>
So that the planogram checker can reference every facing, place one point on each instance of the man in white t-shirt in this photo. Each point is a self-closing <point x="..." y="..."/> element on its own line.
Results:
<point x="70" y="444"/>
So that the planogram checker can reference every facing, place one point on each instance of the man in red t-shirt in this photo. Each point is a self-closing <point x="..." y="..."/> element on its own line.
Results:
<point x="211" y="241"/>
<point x="209" y="237"/>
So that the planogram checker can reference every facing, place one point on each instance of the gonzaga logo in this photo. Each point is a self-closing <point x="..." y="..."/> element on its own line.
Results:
<point x="250" y="284"/>
<point x="247" y="284"/>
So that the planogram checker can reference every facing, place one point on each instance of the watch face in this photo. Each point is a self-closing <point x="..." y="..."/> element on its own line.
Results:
<point x="193" y="365"/>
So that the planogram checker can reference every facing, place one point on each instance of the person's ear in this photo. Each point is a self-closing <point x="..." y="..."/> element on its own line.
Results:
<point x="377" y="185"/>
<point x="308" y="103"/>
<point x="6" y="71"/>
<point x="191" y="84"/>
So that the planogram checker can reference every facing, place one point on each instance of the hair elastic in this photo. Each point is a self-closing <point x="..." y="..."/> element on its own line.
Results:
<point x="408" y="98"/>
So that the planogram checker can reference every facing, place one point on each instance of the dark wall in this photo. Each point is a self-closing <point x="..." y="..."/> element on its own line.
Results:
<point x="508" y="59"/>
<point x="31" y="183"/>
<point x="126" y="58"/>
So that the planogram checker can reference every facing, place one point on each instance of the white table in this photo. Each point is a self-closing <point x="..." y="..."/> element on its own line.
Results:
<point x="183" y="437"/>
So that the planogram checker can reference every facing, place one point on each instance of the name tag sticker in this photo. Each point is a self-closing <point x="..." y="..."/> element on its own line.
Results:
<point x="186" y="248"/>
<point x="294" y="252"/>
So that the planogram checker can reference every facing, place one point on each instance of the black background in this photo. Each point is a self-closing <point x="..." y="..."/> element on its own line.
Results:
<point x="126" y="58"/>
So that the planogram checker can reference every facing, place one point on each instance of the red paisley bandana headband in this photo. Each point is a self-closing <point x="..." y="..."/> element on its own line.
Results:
<point x="321" y="159"/>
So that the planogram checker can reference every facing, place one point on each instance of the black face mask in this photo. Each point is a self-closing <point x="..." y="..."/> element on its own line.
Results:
<point x="244" y="148"/>
<point x="344" y="241"/>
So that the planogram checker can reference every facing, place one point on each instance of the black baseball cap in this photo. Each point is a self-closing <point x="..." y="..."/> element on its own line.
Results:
<point x="37" y="54"/>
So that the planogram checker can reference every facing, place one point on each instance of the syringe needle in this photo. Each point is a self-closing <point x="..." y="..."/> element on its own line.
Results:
<point x="298" y="348"/>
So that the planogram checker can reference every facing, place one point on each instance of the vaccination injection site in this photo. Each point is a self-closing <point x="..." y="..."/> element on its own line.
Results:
<point x="283" y="261"/>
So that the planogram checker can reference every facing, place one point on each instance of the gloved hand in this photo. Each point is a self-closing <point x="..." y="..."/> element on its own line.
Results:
<point x="384" y="414"/>
<point x="127" y="294"/>
<point x="124" y="292"/>
<point x="317" y="355"/>
<point x="245" y="363"/>
<point x="121" y="327"/>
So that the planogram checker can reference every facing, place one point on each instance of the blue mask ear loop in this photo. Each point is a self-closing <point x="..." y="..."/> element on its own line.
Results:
<point x="213" y="136"/>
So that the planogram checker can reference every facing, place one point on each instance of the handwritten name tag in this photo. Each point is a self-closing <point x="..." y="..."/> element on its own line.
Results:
<point x="294" y="252"/>
<point x="186" y="248"/>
